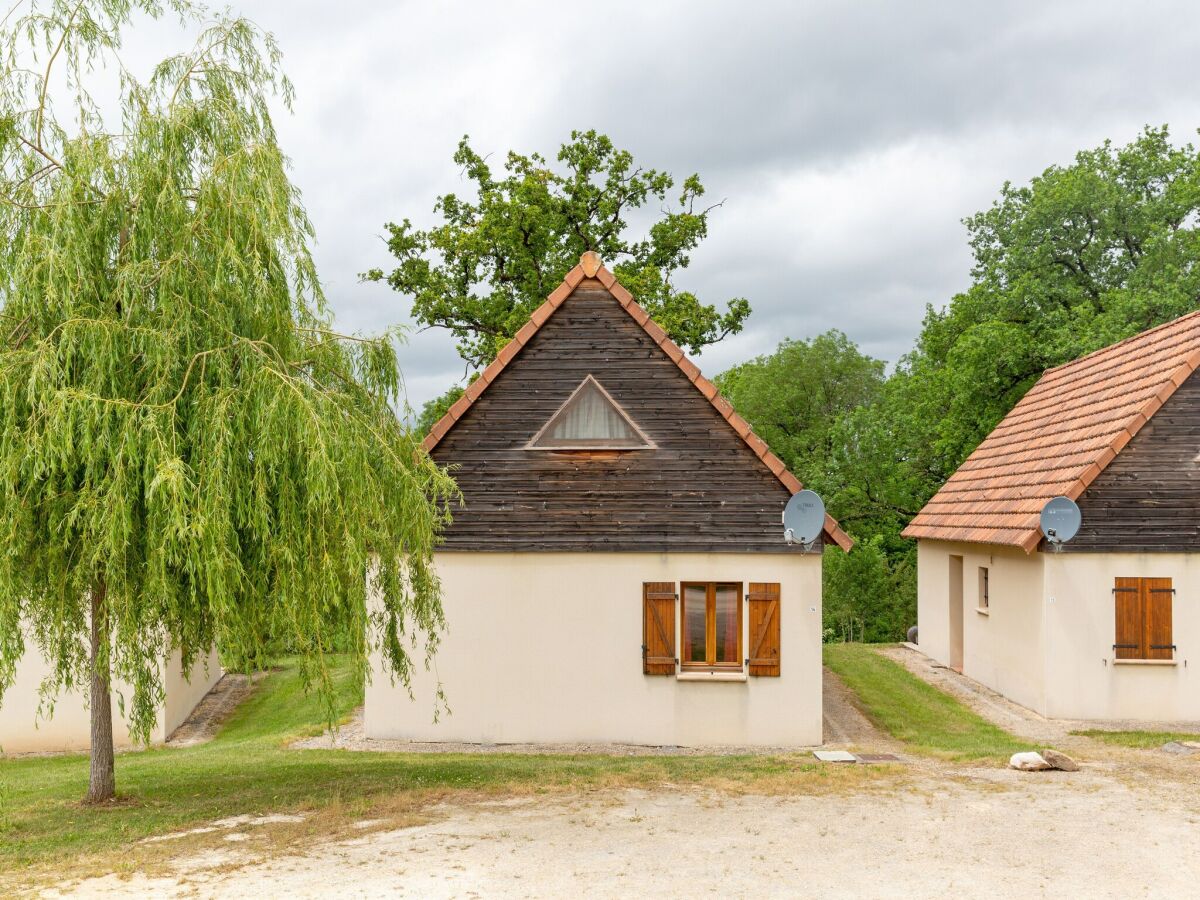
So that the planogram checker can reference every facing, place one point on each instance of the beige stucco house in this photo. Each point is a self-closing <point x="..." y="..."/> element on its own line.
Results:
<point x="23" y="730"/>
<point x="619" y="572"/>
<point x="1107" y="626"/>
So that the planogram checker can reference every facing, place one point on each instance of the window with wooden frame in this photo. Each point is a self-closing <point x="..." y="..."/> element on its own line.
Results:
<point x="590" y="419"/>
<point x="1143" y="618"/>
<point x="712" y="625"/>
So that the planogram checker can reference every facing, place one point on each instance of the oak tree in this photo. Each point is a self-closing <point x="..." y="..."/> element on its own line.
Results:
<point x="494" y="257"/>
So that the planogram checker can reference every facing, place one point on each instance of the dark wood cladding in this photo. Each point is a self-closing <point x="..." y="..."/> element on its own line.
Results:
<point x="700" y="489"/>
<point x="1148" y="499"/>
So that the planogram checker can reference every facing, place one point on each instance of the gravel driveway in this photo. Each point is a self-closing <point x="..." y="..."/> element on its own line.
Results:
<point x="996" y="837"/>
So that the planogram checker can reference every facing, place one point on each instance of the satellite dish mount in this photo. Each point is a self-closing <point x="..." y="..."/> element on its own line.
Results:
<point x="1060" y="521"/>
<point x="803" y="519"/>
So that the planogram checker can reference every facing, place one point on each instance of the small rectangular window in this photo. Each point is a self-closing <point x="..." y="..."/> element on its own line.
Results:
<point x="712" y="625"/>
<point x="984" y="598"/>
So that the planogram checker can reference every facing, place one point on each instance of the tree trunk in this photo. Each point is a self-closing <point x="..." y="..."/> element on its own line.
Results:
<point x="102" y="784"/>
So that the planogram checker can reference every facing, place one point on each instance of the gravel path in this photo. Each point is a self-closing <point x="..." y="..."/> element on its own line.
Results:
<point x="351" y="736"/>
<point x="217" y="706"/>
<point x="1126" y="825"/>
<point x="845" y="725"/>
<point x="1018" y="836"/>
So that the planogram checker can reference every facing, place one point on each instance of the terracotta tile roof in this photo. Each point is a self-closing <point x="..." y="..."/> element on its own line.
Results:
<point x="1059" y="437"/>
<point x="591" y="267"/>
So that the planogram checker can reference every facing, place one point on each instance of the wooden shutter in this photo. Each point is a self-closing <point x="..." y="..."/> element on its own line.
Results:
<point x="1127" y="597"/>
<point x="763" y="601"/>
<point x="1157" y="595"/>
<point x="658" y="628"/>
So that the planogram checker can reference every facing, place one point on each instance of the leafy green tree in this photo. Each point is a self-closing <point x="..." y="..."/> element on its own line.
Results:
<point x="189" y="454"/>
<point x="433" y="410"/>
<point x="795" y="396"/>
<point x="866" y="596"/>
<point x="1083" y="256"/>
<point x="494" y="259"/>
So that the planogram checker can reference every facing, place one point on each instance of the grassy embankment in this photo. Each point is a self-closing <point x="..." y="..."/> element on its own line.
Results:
<point x="926" y="719"/>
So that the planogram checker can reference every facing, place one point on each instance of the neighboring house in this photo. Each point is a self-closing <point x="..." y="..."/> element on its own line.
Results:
<point x="619" y="571"/>
<point x="1105" y="627"/>
<point x="22" y="730"/>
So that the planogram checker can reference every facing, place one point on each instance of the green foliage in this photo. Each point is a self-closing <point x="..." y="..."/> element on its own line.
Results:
<point x="801" y="400"/>
<point x="866" y="596"/>
<point x="433" y="410"/>
<point x="493" y="260"/>
<point x="916" y="712"/>
<point x="6" y="819"/>
<point x="795" y="396"/>
<point x="181" y="433"/>
<point x="1085" y="255"/>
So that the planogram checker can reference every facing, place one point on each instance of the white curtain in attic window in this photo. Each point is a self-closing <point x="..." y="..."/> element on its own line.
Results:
<point x="591" y="417"/>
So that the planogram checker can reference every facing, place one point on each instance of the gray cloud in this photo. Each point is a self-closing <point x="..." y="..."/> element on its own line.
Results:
<point x="848" y="140"/>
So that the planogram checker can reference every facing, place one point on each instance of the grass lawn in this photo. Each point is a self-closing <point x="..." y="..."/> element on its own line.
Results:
<point x="909" y="709"/>
<point x="45" y="832"/>
<point x="1141" y="739"/>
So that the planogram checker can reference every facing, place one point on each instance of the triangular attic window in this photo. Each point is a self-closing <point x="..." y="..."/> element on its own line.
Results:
<point x="590" y="420"/>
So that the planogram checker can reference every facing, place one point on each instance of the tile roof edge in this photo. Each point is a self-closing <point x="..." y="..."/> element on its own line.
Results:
<point x="1132" y="337"/>
<point x="1104" y="455"/>
<point x="1015" y="542"/>
<point x="1121" y="440"/>
<point x="540" y="316"/>
<point x="589" y="261"/>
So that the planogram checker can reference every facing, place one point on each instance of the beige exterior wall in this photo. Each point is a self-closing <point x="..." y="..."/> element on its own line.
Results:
<point x="1047" y="639"/>
<point x="546" y="647"/>
<point x="22" y="731"/>
<point x="1085" y="681"/>
<point x="1003" y="648"/>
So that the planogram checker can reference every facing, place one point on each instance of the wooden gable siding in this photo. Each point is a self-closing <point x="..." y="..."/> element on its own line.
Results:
<point x="1148" y="498"/>
<point x="700" y="489"/>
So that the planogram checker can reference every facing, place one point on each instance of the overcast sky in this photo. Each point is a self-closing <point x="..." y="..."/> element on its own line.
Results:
<point x="848" y="140"/>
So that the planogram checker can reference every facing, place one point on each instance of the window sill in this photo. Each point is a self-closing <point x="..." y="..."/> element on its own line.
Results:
<point x="1145" y="662"/>
<point x="711" y="676"/>
<point x="983" y="610"/>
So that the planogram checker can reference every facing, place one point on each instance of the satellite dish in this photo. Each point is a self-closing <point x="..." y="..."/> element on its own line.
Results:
<point x="1060" y="520"/>
<point x="803" y="518"/>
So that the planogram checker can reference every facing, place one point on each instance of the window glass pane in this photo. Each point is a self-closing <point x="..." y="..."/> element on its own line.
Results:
<point x="727" y="623"/>
<point x="694" y="608"/>
<point x="591" y="417"/>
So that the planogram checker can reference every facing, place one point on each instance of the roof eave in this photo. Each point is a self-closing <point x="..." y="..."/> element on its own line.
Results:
<point x="1031" y="537"/>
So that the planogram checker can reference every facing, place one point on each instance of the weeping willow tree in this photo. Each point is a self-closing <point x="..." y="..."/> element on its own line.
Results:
<point x="189" y="454"/>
